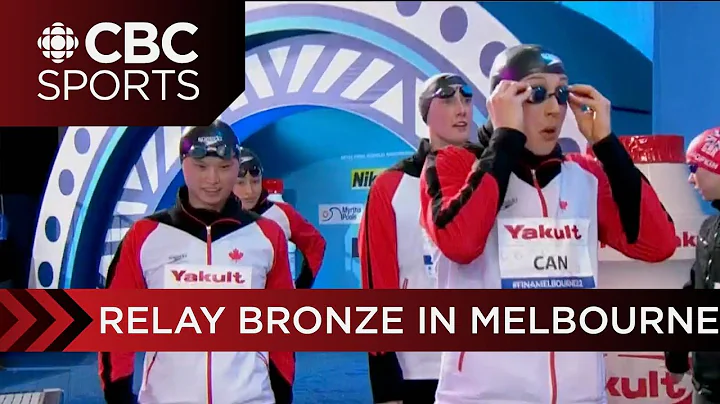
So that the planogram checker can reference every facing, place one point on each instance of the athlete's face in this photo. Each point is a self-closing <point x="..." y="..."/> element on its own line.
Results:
<point x="248" y="190"/>
<point x="209" y="180"/>
<point x="449" y="118"/>
<point x="544" y="118"/>
<point x="706" y="182"/>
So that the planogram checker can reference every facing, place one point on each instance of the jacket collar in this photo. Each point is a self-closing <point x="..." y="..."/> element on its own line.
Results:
<point x="413" y="165"/>
<point x="263" y="204"/>
<point x="527" y="158"/>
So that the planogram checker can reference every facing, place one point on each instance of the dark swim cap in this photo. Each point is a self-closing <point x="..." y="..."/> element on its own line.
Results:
<point x="518" y="62"/>
<point x="216" y="140"/>
<point x="441" y="86"/>
<point x="249" y="163"/>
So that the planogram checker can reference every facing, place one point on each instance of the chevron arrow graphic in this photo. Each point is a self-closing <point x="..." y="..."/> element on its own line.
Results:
<point x="80" y="320"/>
<point x="43" y="320"/>
<point x="24" y="319"/>
<point x="7" y="320"/>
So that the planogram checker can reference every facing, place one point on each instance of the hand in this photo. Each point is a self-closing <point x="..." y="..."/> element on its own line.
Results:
<point x="505" y="104"/>
<point x="593" y="121"/>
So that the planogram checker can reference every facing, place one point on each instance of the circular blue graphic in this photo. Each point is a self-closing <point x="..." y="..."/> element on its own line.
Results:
<point x="82" y="141"/>
<point x="52" y="228"/>
<point x="45" y="274"/>
<point x="453" y="24"/>
<point x="66" y="182"/>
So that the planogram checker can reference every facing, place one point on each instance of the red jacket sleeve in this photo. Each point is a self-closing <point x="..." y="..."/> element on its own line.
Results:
<point x="125" y="272"/>
<point x="631" y="218"/>
<point x="377" y="238"/>
<point x="377" y="247"/>
<point x="310" y="243"/>
<point x="279" y="276"/>
<point x="461" y="191"/>
<point x="282" y="363"/>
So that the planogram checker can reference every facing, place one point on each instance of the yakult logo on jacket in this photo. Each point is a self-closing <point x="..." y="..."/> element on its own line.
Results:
<point x="206" y="277"/>
<point x="642" y="378"/>
<point x="543" y="232"/>
<point x="685" y="239"/>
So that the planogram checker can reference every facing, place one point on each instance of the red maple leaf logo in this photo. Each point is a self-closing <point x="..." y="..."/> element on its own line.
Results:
<point x="235" y="255"/>
<point x="563" y="205"/>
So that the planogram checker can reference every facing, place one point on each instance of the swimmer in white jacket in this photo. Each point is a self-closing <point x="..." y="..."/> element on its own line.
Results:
<point x="484" y="208"/>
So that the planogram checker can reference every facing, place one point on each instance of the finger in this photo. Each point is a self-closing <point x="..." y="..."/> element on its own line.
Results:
<point x="525" y="93"/>
<point x="581" y="101"/>
<point x="579" y="108"/>
<point x="503" y="86"/>
<point x="576" y="106"/>
<point x="584" y="89"/>
<point x="521" y="88"/>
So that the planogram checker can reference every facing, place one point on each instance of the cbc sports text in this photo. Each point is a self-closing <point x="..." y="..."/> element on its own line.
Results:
<point x="111" y="83"/>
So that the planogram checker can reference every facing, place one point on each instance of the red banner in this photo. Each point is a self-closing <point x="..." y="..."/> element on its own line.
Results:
<point x="357" y="320"/>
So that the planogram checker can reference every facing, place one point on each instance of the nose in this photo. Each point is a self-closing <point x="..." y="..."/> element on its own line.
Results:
<point x="691" y="178"/>
<point x="213" y="175"/>
<point x="461" y="106"/>
<point x="552" y="106"/>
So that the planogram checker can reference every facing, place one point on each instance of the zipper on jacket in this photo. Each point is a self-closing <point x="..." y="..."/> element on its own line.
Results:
<point x="536" y="184"/>
<point x="208" y="260"/>
<point x="461" y="359"/>
<point x="551" y="358"/>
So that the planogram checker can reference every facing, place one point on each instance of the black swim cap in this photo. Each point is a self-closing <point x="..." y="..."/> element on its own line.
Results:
<point x="249" y="163"/>
<point x="217" y="140"/>
<point x="518" y="62"/>
<point x="441" y="86"/>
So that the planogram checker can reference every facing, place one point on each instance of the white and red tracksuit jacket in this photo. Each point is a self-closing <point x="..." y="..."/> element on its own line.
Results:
<point x="466" y="191"/>
<point x="200" y="239"/>
<point x="393" y="255"/>
<point x="307" y="238"/>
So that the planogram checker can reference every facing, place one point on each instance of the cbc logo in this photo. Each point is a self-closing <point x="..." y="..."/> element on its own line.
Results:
<point x="58" y="42"/>
<point x="140" y="47"/>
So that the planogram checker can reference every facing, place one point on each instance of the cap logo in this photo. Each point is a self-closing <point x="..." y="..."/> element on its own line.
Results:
<point x="210" y="140"/>
<point x="550" y="59"/>
<point x="711" y="145"/>
<point x="245" y="159"/>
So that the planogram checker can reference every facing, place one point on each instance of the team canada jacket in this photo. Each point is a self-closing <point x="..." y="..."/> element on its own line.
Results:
<point x="393" y="254"/>
<point x="479" y="202"/>
<point x="307" y="238"/>
<point x="185" y="247"/>
<point x="704" y="274"/>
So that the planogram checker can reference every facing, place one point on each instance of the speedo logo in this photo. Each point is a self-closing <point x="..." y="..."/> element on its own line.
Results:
<point x="203" y="277"/>
<point x="363" y="178"/>
<point x="542" y="232"/>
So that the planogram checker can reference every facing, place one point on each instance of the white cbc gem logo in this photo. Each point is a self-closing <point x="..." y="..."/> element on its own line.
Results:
<point x="347" y="213"/>
<point x="58" y="42"/>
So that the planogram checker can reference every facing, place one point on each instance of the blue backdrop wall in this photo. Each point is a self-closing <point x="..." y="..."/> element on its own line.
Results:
<point x="685" y="85"/>
<point x="314" y="153"/>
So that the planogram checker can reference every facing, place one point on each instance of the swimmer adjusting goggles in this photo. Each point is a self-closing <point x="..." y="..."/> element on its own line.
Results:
<point x="539" y="94"/>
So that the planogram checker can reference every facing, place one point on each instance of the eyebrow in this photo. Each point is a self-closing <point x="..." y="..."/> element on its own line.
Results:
<point x="537" y="76"/>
